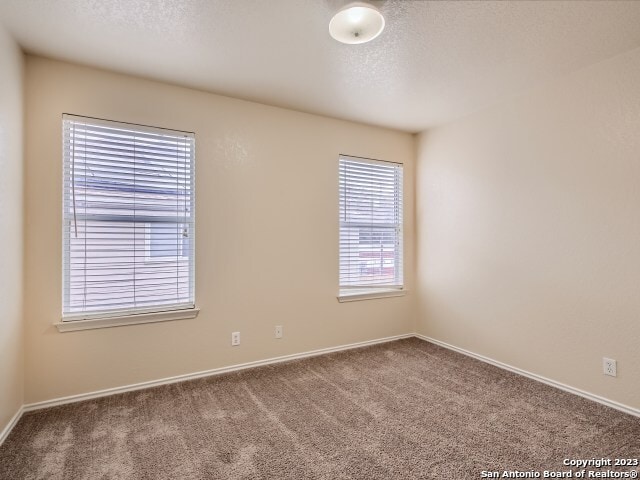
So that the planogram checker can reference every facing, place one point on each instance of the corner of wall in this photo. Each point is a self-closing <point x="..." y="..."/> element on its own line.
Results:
<point x="12" y="224"/>
<point x="418" y="142"/>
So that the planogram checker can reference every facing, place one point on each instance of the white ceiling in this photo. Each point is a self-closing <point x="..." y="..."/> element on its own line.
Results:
<point x="436" y="61"/>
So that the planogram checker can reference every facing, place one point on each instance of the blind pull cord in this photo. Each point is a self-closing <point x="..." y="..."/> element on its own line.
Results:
<point x="73" y="178"/>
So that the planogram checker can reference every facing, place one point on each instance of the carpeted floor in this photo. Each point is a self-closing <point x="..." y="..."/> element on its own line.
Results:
<point x="400" y="410"/>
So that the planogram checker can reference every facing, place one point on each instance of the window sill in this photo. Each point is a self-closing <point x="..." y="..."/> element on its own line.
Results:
<point x="89" y="324"/>
<point x="365" y="294"/>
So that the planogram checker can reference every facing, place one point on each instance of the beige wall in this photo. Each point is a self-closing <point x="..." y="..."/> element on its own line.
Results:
<point x="11" y="337"/>
<point x="528" y="219"/>
<point x="266" y="235"/>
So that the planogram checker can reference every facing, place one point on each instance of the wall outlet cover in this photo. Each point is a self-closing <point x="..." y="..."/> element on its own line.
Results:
<point x="609" y="367"/>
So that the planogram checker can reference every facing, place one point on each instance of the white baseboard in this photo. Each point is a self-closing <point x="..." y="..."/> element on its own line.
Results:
<point x="285" y="358"/>
<point x="206" y="373"/>
<point x="12" y="423"/>
<point x="533" y="376"/>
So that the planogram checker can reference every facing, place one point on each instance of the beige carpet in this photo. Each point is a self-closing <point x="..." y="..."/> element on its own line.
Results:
<point x="406" y="409"/>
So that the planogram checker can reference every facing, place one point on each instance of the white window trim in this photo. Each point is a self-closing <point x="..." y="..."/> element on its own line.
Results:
<point x="69" y="325"/>
<point x="93" y="320"/>
<point x="355" y="295"/>
<point x="352" y="293"/>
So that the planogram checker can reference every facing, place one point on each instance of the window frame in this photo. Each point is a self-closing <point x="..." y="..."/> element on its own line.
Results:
<point x="110" y="317"/>
<point x="348" y="293"/>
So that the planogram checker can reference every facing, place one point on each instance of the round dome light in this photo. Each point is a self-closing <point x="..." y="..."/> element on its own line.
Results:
<point x="357" y="22"/>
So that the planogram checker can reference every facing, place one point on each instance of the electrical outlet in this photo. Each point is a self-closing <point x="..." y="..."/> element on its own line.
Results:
<point x="279" y="331"/>
<point x="609" y="366"/>
<point x="235" y="339"/>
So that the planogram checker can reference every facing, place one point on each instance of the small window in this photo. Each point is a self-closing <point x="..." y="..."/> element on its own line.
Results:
<point x="370" y="225"/>
<point x="128" y="213"/>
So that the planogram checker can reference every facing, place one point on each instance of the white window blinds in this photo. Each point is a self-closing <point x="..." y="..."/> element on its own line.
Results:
<point x="128" y="213"/>
<point x="370" y="224"/>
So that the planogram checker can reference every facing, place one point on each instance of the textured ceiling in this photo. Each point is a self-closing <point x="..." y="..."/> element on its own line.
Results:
<point x="435" y="61"/>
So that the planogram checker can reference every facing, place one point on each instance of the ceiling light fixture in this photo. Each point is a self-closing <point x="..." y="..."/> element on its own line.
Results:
<point x="357" y="22"/>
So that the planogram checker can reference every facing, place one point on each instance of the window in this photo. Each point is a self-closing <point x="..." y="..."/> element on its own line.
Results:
<point x="128" y="219"/>
<point x="370" y="226"/>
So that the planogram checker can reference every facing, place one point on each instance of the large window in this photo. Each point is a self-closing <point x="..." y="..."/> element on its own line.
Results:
<point x="128" y="219"/>
<point x="370" y="225"/>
